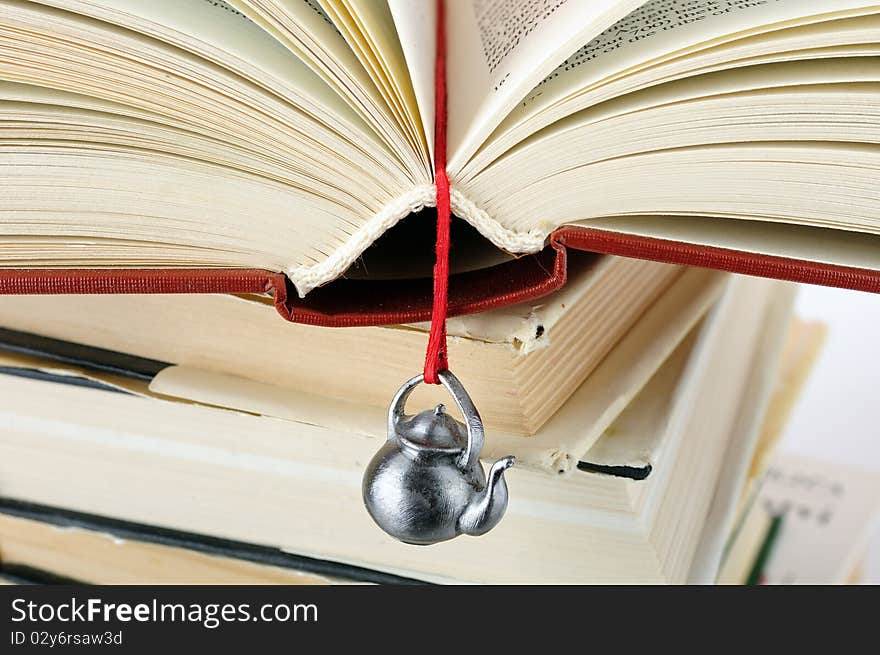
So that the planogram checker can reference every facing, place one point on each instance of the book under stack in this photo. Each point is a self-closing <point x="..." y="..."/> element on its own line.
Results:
<point x="134" y="451"/>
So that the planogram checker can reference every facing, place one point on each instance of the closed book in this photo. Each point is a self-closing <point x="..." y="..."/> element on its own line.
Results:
<point x="605" y="492"/>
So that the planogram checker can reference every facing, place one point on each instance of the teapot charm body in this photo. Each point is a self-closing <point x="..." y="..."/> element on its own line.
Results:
<point x="426" y="483"/>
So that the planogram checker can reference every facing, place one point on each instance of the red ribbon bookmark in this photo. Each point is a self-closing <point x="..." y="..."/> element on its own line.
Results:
<point x="436" y="359"/>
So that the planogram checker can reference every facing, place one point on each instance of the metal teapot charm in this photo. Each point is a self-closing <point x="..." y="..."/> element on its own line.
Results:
<point x="426" y="483"/>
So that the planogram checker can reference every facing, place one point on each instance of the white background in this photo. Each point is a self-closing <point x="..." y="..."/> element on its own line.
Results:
<point x="837" y="417"/>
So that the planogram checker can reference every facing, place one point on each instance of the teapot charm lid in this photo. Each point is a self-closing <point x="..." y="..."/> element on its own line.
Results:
<point x="433" y="429"/>
<point x="426" y="483"/>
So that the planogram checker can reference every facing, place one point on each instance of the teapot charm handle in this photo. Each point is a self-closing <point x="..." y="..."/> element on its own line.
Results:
<point x="473" y="422"/>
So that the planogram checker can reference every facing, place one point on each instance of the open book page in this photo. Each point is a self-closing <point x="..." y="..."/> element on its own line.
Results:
<point x="304" y="28"/>
<point x="416" y="23"/>
<point x="216" y="28"/>
<point x="501" y="49"/>
<point x="216" y="31"/>
<point x="658" y="30"/>
<point x="309" y="34"/>
<point x="751" y="142"/>
<point x="162" y="52"/>
<point x="99" y="124"/>
<point x="186" y="187"/>
<point x="855" y="38"/>
<point x="369" y="29"/>
<point x="827" y="513"/>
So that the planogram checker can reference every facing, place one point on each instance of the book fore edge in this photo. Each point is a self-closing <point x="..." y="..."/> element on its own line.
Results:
<point x="307" y="278"/>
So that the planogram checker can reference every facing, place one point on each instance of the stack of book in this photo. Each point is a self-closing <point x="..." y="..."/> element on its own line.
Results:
<point x="193" y="458"/>
<point x="177" y="173"/>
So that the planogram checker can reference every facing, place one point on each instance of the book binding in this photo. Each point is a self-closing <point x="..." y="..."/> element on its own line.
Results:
<point x="356" y="303"/>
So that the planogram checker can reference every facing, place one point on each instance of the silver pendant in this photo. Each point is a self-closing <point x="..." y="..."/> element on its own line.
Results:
<point x="426" y="483"/>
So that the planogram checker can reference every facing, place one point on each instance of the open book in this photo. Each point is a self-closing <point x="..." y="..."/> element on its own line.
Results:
<point x="253" y="146"/>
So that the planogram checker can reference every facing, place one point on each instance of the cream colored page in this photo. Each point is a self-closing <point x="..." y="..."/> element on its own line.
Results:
<point x="361" y="42"/>
<point x="662" y="27"/>
<point x="220" y="26"/>
<point x="416" y="24"/>
<point x="316" y="27"/>
<point x="501" y="49"/>
<point x="815" y="244"/>
<point x="376" y="22"/>
<point x="309" y="33"/>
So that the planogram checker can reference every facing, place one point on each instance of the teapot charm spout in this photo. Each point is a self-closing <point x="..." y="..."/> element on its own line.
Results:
<point x="426" y="483"/>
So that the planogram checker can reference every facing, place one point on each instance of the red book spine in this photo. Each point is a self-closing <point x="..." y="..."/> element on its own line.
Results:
<point x="344" y="303"/>
<point x="353" y="303"/>
<point x="722" y="259"/>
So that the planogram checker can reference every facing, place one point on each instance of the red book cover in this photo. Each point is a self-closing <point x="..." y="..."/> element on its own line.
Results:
<point x="350" y="303"/>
